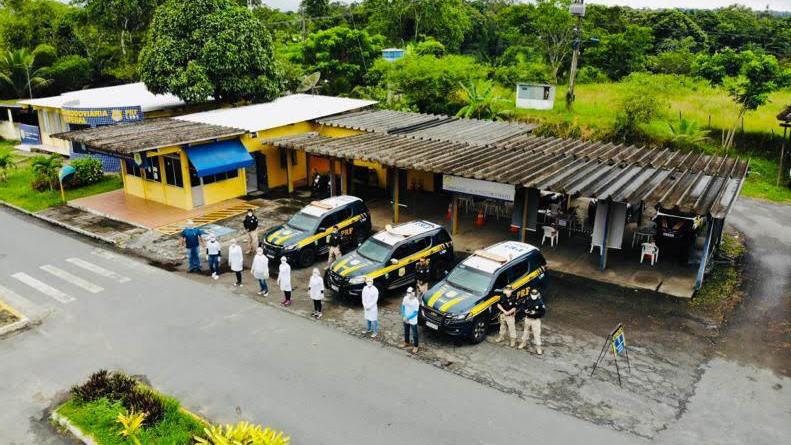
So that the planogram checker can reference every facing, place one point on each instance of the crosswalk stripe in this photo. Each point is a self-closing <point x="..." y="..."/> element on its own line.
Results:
<point x="21" y="304"/>
<point x="99" y="270"/>
<point x="71" y="278"/>
<point x="43" y="287"/>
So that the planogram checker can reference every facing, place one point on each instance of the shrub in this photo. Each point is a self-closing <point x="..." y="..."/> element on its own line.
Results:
<point x="242" y="433"/>
<point x="93" y="388"/>
<point x="510" y="75"/>
<point x="430" y="47"/>
<point x="638" y="107"/>
<point x="591" y="74"/>
<point x="88" y="171"/>
<point x="141" y="400"/>
<point x="46" y="169"/>
<point x="119" y="387"/>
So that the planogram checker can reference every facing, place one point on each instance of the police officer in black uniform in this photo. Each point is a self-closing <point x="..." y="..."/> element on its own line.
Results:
<point x="250" y="224"/>
<point x="423" y="273"/>
<point x="535" y="309"/>
<point x="335" y="245"/>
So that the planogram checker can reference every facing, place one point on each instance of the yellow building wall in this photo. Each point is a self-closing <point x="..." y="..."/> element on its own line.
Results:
<point x="277" y="175"/>
<point x="416" y="178"/>
<point x="160" y="191"/>
<point x="335" y="132"/>
<point x="222" y="190"/>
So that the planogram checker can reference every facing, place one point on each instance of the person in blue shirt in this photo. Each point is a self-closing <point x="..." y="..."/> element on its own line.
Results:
<point x="192" y="239"/>
<point x="409" y="308"/>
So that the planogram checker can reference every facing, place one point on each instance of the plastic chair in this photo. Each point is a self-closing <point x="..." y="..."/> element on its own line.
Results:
<point x="551" y="233"/>
<point x="651" y="251"/>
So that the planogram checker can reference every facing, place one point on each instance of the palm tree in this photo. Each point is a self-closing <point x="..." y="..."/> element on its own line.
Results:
<point x="18" y="72"/>
<point x="480" y="101"/>
<point x="7" y="162"/>
<point x="686" y="134"/>
<point x="47" y="167"/>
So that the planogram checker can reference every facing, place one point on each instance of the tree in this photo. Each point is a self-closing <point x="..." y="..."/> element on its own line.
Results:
<point x="126" y="17"/>
<point x="202" y="49"/>
<point x="623" y="53"/>
<point x="46" y="168"/>
<point x="637" y="108"/>
<point x="341" y="55"/>
<point x="314" y="8"/>
<point x="7" y="162"/>
<point x="670" y="25"/>
<point x="404" y="20"/>
<point x="68" y="74"/>
<point x="18" y="71"/>
<point x="480" y="101"/>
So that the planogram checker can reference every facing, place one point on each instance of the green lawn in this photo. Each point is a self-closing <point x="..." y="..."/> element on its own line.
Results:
<point x="16" y="188"/>
<point x="98" y="419"/>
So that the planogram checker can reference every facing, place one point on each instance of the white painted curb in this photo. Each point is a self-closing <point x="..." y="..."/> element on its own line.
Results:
<point x="76" y="432"/>
<point x="18" y="325"/>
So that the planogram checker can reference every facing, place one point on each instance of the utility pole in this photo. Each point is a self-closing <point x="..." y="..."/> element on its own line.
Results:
<point x="576" y="9"/>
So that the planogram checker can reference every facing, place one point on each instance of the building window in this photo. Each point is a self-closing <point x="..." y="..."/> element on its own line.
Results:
<point x="220" y="176"/>
<point x="151" y="167"/>
<point x="132" y="169"/>
<point x="173" y="171"/>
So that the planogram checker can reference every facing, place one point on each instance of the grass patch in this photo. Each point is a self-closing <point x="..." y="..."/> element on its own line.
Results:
<point x="720" y="291"/>
<point x="16" y="188"/>
<point x="98" y="419"/>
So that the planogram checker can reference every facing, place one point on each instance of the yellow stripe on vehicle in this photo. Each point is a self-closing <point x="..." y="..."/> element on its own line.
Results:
<point x="482" y="306"/>
<point x="351" y="269"/>
<point x="340" y="264"/>
<point x="525" y="279"/>
<point x="434" y="297"/>
<point x="408" y="260"/>
<point x="273" y="235"/>
<point x="341" y="225"/>
<point x="450" y="304"/>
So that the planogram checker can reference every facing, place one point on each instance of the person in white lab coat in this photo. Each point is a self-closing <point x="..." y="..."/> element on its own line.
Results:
<point x="370" y="296"/>
<point x="236" y="261"/>
<point x="284" y="281"/>
<point x="260" y="270"/>
<point x="316" y="292"/>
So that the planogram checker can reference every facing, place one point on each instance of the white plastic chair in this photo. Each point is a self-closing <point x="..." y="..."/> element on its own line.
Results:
<point x="551" y="233"/>
<point x="649" y="250"/>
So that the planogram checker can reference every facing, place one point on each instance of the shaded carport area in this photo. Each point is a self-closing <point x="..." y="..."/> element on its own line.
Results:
<point x="622" y="180"/>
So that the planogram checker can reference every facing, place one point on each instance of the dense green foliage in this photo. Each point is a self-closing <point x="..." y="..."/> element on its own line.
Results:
<point x="87" y="171"/>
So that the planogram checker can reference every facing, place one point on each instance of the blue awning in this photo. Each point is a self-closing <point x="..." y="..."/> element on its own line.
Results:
<point x="219" y="157"/>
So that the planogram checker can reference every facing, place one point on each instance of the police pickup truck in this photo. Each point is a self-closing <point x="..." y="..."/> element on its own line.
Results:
<point x="389" y="258"/>
<point x="464" y="303"/>
<point x="306" y="233"/>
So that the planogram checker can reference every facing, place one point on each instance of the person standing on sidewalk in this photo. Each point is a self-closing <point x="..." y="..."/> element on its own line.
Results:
<point x="214" y="251"/>
<point x="535" y="309"/>
<point x="370" y="297"/>
<point x="236" y="261"/>
<point x="260" y="270"/>
<point x="316" y="292"/>
<point x="335" y="245"/>
<point x="423" y="273"/>
<point x="192" y="239"/>
<point x="409" y="308"/>
<point x="250" y="224"/>
<point x="284" y="281"/>
<point x="507" y="308"/>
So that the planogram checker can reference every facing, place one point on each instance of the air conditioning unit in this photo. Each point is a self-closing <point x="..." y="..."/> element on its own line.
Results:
<point x="535" y="96"/>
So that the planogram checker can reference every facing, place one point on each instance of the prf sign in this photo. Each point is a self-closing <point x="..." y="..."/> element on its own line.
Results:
<point x="101" y="116"/>
<point x="618" y="340"/>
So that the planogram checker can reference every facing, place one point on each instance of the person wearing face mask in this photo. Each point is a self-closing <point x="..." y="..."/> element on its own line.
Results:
<point x="284" y="281"/>
<point x="213" y="251"/>
<point x="370" y="296"/>
<point x="409" y="308"/>
<point x="535" y="309"/>
<point x="423" y="274"/>
<point x="236" y="261"/>
<point x="316" y="292"/>
<point x="334" y="244"/>
<point x="507" y="308"/>
<point x="260" y="270"/>
<point x="250" y="224"/>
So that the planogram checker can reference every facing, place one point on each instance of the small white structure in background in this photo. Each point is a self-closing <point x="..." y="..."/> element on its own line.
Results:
<point x="392" y="54"/>
<point x="535" y="96"/>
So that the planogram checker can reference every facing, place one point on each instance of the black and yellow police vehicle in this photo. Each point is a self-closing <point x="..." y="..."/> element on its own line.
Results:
<point x="464" y="304"/>
<point x="389" y="258"/>
<point x="307" y="232"/>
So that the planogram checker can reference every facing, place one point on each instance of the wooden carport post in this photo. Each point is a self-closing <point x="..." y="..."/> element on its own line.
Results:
<point x="454" y="215"/>
<point x="289" y="173"/>
<point x="396" y="186"/>
<point x="344" y="178"/>
<point x="332" y="176"/>
<point x="523" y="231"/>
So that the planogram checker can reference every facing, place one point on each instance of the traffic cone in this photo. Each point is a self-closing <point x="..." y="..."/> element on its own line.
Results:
<point x="480" y="219"/>
<point x="450" y="212"/>
<point x="514" y="228"/>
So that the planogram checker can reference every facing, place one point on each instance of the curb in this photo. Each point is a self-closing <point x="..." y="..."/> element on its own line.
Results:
<point x="104" y="215"/>
<point x="22" y="322"/>
<point x="58" y="223"/>
<point x="71" y="428"/>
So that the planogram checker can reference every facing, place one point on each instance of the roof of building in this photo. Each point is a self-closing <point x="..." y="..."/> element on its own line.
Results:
<point x="395" y="234"/>
<point x="687" y="182"/>
<point x="497" y="255"/>
<point x="436" y="127"/>
<point x="127" y="95"/>
<point x="282" y="111"/>
<point x="147" y="134"/>
<point x="319" y="208"/>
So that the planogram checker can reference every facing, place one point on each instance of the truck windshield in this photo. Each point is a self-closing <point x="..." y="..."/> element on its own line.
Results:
<point x="303" y="221"/>
<point x="374" y="250"/>
<point x="469" y="279"/>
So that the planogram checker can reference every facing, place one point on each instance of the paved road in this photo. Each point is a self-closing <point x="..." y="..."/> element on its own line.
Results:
<point x="228" y="357"/>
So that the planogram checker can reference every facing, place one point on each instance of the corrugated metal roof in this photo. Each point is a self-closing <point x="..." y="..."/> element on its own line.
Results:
<point x="147" y="134"/>
<point x="127" y="95"/>
<point x="685" y="182"/>
<point x="380" y="121"/>
<point x="282" y="111"/>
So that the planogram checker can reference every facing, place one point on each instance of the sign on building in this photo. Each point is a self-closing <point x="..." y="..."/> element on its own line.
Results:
<point x="478" y="187"/>
<point x="29" y="134"/>
<point x="95" y="117"/>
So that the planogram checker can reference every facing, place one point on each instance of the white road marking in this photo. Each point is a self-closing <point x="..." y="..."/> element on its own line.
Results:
<point x="43" y="287"/>
<point x="22" y="304"/>
<point x="99" y="270"/>
<point x="71" y="278"/>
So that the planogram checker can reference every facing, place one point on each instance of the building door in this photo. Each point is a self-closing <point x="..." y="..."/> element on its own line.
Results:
<point x="252" y="178"/>
<point x="197" y="193"/>
<point x="262" y="178"/>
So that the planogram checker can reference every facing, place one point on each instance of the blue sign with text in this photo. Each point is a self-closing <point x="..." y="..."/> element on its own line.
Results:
<point x="29" y="134"/>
